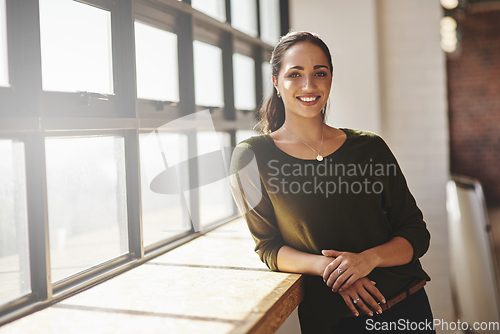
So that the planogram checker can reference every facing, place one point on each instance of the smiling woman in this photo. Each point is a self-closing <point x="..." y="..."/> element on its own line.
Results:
<point x="345" y="231"/>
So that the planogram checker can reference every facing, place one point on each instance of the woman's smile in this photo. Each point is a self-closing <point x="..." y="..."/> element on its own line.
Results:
<point x="308" y="100"/>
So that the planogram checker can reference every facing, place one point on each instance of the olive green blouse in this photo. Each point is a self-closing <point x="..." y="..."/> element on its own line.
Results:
<point x="355" y="199"/>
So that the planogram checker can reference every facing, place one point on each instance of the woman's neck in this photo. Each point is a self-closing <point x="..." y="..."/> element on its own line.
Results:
<point x="306" y="129"/>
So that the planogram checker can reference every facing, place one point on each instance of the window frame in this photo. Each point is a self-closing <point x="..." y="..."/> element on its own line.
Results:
<point x="30" y="114"/>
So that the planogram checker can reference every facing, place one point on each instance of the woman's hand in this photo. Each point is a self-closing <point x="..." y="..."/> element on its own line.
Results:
<point x="353" y="266"/>
<point x="360" y="291"/>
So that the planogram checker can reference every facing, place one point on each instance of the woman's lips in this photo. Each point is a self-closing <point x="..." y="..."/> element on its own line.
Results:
<point x="308" y="100"/>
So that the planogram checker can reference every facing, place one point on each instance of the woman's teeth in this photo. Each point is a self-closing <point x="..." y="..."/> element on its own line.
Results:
<point x="308" y="99"/>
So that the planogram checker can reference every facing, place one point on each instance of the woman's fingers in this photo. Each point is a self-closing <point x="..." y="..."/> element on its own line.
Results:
<point x="363" y="307"/>
<point x="368" y="299"/>
<point x="330" y="252"/>
<point x="349" y="303"/>
<point x="331" y="273"/>
<point x="338" y="280"/>
<point x="370" y="287"/>
<point x="361" y="292"/>
<point x="344" y="283"/>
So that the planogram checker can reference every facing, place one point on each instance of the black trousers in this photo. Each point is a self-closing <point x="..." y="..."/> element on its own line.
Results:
<point x="411" y="315"/>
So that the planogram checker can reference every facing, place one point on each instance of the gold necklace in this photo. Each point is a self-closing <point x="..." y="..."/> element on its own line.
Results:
<point x="319" y="157"/>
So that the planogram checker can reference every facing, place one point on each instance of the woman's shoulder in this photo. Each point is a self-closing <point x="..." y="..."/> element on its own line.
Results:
<point x="370" y="144"/>
<point x="246" y="150"/>
<point x="363" y="137"/>
<point x="255" y="143"/>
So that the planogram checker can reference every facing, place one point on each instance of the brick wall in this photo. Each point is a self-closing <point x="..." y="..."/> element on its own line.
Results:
<point x="474" y="100"/>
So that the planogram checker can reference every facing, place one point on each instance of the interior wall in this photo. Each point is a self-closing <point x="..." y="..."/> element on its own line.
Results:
<point x="414" y="118"/>
<point x="391" y="79"/>
<point x="474" y="95"/>
<point x="348" y="28"/>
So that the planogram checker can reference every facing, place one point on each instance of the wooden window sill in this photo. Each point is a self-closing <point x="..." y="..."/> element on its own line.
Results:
<point x="213" y="284"/>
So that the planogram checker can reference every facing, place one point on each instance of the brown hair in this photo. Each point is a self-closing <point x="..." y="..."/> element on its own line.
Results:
<point x="272" y="110"/>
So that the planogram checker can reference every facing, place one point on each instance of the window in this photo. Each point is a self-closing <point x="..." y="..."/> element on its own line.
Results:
<point x="14" y="261"/>
<point x="244" y="82"/>
<point x="244" y="16"/>
<point x="76" y="47"/>
<point x="164" y="213"/>
<point x="214" y="8"/>
<point x="101" y="167"/>
<point x="208" y="75"/>
<point x="216" y="201"/>
<point x="156" y="63"/>
<point x="86" y="202"/>
<point x="4" y="69"/>
<point x="269" y="21"/>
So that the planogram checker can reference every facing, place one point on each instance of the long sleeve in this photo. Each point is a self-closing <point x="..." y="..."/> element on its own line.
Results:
<point x="255" y="205"/>
<point x="403" y="212"/>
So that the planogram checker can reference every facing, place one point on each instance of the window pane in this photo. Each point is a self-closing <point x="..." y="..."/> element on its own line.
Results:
<point x="156" y="63"/>
<point x="163" y="215"/>
<point x="86" y="202"/>
<point x="208" y="75"/>
<point x="270" y="21"/>
<point x="76" y="47"/>
<point x="14" y="258"/>
<point x="244" y="16"/>
<point x="267" y="82"/>
<point x="216" y="202"/>
<point x="4" y="67"/>
<point x="213" y="8"/>
<point x="244" y="82"/>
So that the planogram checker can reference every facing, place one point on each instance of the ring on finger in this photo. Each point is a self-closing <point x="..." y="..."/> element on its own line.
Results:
<point x="355" y="301"/>
<point x="340" y="271"/>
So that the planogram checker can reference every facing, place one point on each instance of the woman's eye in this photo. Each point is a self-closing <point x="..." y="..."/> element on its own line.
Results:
<point x="321" y="74"/>
<point x="294" y="75"/>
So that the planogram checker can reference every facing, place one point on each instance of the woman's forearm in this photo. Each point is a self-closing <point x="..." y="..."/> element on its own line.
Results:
<point x="295" y="261"/>
<point x="396" y="252"/>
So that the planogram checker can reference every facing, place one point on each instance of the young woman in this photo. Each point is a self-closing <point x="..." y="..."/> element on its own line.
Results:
<point x="332" y="204"/>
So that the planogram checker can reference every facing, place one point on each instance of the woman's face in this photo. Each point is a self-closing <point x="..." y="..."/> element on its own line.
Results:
<point x="304" y="80"/>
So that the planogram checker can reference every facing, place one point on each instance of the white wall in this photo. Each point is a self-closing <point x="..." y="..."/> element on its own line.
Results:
<point x="349" y="30"/>
<point x="391" y="79"/>
<point x="414" y="122"/>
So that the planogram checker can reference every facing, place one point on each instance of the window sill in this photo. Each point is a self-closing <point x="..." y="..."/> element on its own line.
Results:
<point x="213" y="284"/>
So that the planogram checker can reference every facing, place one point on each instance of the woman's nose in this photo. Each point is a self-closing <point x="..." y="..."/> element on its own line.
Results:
<point x="308" y="83"/>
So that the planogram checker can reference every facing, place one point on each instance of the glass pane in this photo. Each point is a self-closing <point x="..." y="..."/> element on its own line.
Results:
<point x="267" y="81"/>
<point x="4" y="65"/>
<point x="14" y="258"/>
<point x="245" y="134"/>
<point x="213" y="8"/>
<point x="86" y="202"/>
<point x="270" y="21"/>
<point x="76" y="47"/>
<point x="208" y="75"/>
<point x="244" y="16"/>
<point x="216" y="202"/>
<point x="164" y="215"/>
<point x="156" y="63"/>
<point x="244" y="82"/>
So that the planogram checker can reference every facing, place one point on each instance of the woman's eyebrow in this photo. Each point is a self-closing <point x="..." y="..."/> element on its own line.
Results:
<point x="297" y="67"/>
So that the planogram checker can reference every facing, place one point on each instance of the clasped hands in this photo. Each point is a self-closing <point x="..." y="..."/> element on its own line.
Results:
<point x="351" y="281"/>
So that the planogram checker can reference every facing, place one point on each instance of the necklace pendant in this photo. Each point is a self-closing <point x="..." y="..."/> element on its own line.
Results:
<point x="319" y="158"/>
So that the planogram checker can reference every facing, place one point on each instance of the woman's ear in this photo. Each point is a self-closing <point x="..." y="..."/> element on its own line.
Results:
<point x="275" y="84"/>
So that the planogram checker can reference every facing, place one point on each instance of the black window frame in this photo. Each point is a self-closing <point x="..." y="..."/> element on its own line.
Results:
<point x="30" y="115"/>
